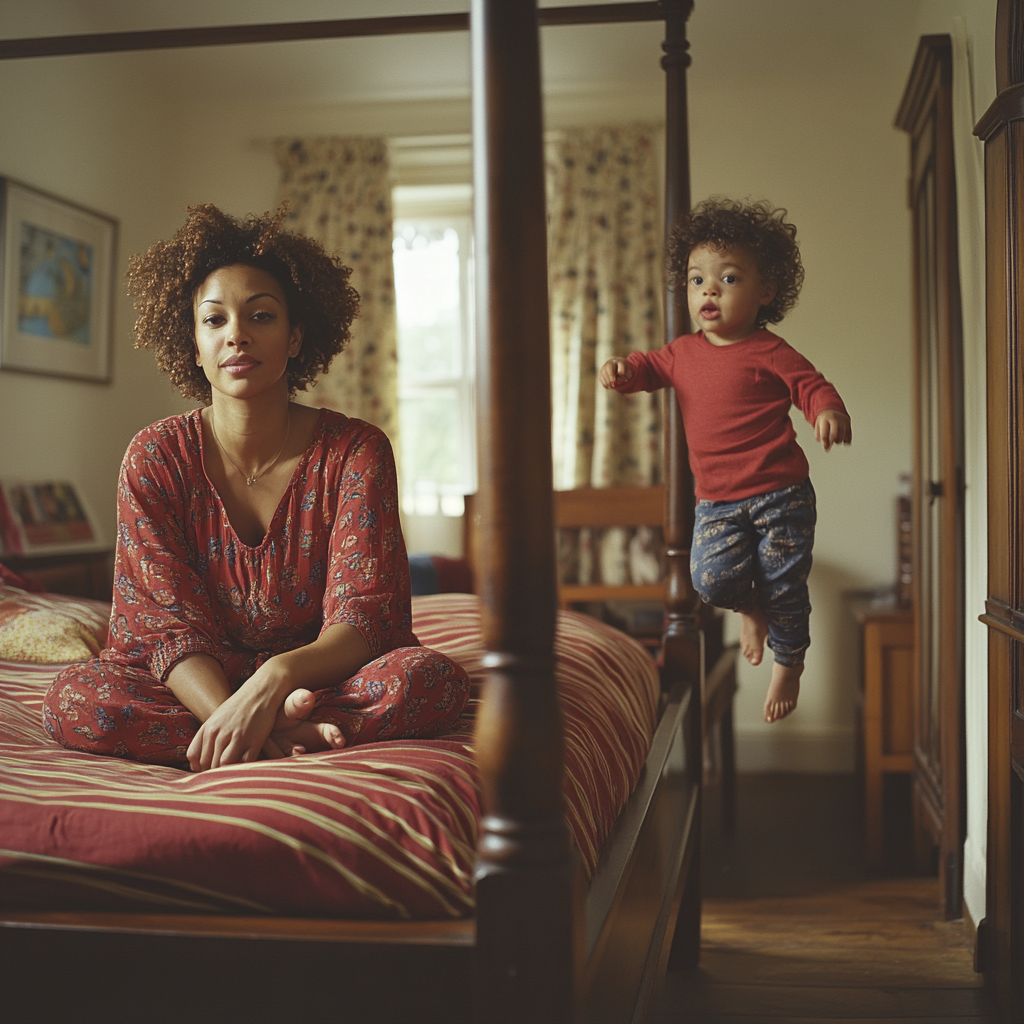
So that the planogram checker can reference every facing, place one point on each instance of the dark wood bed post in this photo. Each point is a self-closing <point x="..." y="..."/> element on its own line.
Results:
<point x="681" y="600"/>
<point x="526" y="931"/>
<point x="682" y="642"/>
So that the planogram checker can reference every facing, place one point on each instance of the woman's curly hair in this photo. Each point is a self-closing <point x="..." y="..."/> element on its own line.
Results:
<point x="163" y="281"/>
<point x="720" y="223"/>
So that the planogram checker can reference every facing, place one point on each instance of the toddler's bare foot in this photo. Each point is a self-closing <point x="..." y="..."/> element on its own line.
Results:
<point x="783" y="691"/>
<point x="753" y="631"/>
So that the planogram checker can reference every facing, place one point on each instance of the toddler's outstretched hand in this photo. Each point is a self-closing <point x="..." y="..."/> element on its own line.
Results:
<point x="833" y="427"/>
<point x="615" y="373"/>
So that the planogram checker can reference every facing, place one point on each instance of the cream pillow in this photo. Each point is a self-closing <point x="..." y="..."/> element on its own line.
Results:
<point x="49" y="628"/>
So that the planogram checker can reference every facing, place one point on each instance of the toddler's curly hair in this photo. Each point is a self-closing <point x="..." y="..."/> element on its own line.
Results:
<point x="720" y="223"/>
<point x="163" y="281"/>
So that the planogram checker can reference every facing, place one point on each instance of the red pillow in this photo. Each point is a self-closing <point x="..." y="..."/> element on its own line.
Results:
<point x="15" y="579"/>
<point x="453" y="575"/>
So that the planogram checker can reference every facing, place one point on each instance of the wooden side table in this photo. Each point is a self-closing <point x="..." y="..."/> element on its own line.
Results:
<point x="887" y="721"/>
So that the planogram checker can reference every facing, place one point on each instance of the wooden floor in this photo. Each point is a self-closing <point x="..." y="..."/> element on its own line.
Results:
<point x="795" y="930"/>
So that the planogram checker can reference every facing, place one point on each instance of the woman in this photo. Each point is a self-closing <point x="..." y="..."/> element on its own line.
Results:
<point x="261" y="585"/>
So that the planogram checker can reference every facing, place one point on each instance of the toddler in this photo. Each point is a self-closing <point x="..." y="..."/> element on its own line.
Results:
<point x="736" y="381"/>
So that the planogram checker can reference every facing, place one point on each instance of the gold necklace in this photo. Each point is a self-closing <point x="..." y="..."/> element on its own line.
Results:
<point x="250" y="480"/>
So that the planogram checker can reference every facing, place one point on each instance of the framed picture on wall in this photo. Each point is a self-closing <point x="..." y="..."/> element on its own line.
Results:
<point x="57" y="276"/>
<point x="44" y="517"/>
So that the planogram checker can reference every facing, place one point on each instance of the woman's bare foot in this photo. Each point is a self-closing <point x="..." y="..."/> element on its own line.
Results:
<point x="297" y="705"/>
<point x="294" y="735"/>
<point x="308" y="738"/>
<point x="753" y="631"/>
<point x="783" y="691"/>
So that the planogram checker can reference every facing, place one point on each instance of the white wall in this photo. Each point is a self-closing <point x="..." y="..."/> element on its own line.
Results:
<point x="79" y="128"/>
<point x="824" y="147"/>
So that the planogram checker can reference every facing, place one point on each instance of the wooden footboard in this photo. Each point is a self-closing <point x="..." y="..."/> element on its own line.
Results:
<point x="635" y="895"/>
<point x="167" y="969"/>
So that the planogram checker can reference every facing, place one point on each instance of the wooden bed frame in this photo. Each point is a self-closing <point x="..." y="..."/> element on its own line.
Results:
<point x="543" y="946"/>
<point x="599" y="507"/>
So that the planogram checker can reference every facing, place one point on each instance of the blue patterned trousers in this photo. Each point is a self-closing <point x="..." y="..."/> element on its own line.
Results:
<point x="756" y="552"/>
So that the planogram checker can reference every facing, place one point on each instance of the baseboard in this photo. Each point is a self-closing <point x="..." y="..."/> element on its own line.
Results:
<point x="976" y="936"/>
<point x="970" y="928"/>
<point x="826" y="751"/>
<point x="974" y="885"/>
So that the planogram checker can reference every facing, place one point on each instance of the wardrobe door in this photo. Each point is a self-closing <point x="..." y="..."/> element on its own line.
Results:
<point x="939" y="763"/>
<point x="1001" y="933"/>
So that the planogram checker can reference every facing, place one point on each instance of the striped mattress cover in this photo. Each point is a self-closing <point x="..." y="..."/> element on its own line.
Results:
<point x="385" y="830"/>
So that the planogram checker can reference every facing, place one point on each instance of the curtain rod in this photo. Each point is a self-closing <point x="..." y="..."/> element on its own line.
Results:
<point x="174" y="38"/>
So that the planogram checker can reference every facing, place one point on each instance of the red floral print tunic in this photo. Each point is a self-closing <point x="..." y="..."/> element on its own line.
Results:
<point x="184" y="583"/>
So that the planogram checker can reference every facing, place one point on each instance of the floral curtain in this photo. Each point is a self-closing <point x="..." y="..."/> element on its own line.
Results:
<point x="339" y="192"/>
<point x="606" y="273"/>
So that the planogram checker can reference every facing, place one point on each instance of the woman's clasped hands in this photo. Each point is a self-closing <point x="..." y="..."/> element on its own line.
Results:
<point x="264" y="718"/>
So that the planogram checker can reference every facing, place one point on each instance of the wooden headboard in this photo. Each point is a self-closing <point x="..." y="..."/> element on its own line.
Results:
<point x="596" y="507"/>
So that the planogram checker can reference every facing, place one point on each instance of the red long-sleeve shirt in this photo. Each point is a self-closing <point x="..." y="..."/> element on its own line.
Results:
<point x="735" y="400"/>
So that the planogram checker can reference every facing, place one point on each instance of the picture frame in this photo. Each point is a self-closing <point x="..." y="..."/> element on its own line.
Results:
<point x="45" y="517"/>
<point x="57" y="262"/>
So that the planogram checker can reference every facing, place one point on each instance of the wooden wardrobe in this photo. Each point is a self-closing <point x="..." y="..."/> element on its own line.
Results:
<point x="1001" y="933"/>
<point x="926" y="114"/>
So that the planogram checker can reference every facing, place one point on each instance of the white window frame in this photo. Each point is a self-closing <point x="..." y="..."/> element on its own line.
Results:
<point x="449" y="205"/>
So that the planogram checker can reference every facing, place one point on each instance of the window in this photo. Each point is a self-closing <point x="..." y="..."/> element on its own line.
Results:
<point x="433" y="289"/>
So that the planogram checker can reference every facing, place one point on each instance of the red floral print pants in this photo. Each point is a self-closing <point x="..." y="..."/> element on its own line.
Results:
<point x="102" y="707"/>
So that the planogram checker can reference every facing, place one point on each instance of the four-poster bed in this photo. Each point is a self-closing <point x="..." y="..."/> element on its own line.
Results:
<point x="543" y="945"/>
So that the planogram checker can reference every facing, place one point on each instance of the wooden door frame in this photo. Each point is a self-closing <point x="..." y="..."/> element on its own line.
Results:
<point x="939" y="785"/>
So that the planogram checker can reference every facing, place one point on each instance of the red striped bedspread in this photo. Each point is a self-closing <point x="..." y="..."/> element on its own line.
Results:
<point x="386" y="830"/>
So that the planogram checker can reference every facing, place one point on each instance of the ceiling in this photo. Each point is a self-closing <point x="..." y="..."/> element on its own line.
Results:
<point x="738" y="39"/>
